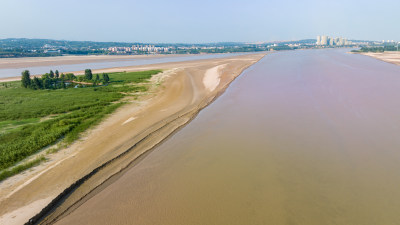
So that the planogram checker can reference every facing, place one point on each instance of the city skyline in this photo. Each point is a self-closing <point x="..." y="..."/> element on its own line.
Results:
<point x="191" y="22"/>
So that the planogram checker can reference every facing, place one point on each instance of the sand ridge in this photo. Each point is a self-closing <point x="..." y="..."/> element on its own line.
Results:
<point x="141" y="124"/>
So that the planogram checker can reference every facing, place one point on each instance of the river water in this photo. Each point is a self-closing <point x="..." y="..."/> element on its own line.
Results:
<point x="34" y="70"/>
<point x="302" y="137"/>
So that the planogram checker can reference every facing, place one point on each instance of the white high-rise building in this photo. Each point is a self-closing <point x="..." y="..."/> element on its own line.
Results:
<point x="324" y="40"/>
<point x="331" y="41"/>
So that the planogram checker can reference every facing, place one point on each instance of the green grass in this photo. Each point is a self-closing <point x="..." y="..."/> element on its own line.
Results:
<point x="68" y="113"/>
<point x="8" y="173"/>
<point x="131" y="77"/>
<point x="22" y="103"/>
<point x="9" y="125"/>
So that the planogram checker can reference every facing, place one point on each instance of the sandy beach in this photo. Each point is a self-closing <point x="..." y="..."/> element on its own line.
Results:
<point x="176" y="96"/>
<point x="390" y="57"/>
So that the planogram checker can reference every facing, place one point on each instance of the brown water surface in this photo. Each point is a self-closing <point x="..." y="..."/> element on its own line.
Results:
<point x="302" y="137"/>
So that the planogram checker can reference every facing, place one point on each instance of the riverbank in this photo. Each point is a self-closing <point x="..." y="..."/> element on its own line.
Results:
<point x="124" y="136"/>
<point x="390" y="57"/>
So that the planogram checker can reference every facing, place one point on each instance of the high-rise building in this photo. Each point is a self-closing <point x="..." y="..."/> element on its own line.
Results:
<point x="340" y="42"/>
<point x="324" y="40"/>
<point x="337" y="41"/>
<point x="331" y="41"/>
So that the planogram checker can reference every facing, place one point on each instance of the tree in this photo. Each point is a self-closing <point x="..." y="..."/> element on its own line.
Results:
<point x="63" y="84"/>
<point x="51" y="74"/>
<point x="26" y="79"/>
<point x="88" y="74"/>
<point x="45" y="76"/>
<point x="63" y="76"/>
<point x="70" y="76"/>
<point x="47" y="83"/>
<point x="36" y="83"/>
<point x="106" y="79"/>
<point x="57" y="74"/>
<point x="97" y="77"/>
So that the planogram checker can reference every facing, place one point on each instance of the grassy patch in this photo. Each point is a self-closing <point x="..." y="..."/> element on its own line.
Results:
<point x="132" y="77"/>
<point x="8" y="173"/>
<point x="9" y="125"/>
<point x="24" y="132"/>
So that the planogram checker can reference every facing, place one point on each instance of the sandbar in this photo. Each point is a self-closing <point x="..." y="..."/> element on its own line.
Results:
<point x="390" y="57"/>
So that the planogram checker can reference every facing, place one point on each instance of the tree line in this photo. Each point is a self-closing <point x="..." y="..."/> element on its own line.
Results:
<point x="55" y="80"/>
<point x="378" y="49"/>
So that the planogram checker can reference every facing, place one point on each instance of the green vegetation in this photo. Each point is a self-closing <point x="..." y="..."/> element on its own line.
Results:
<point x="31" y="119"/>
<point x="378" y="49"/>
<point x="8" y="173"/>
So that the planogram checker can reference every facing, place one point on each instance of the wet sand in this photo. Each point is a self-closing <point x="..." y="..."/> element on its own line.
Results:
<point x="390" y="57"/>
<point x="302" y="137"/>
<point x="124" y="136"/>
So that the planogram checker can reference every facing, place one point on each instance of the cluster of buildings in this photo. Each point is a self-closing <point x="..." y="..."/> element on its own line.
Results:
<point x="330" y="41"/>
<point x="150" y="49"/>
<point x="388" y="42"/>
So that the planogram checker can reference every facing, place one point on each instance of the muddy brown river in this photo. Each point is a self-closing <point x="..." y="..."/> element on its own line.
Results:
<point x="302" y="137"/>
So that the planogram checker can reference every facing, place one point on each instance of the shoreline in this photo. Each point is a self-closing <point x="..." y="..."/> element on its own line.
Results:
<point x="186" y="77"/>
<point x="389" y="57"/>
<point x="23" y="62"/>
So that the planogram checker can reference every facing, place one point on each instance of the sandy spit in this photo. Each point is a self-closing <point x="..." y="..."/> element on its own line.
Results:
<point x="124" y="136"/>
<point x="390" y="57"/>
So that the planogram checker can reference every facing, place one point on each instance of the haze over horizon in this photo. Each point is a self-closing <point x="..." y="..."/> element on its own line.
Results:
<point x="179" y="21"/>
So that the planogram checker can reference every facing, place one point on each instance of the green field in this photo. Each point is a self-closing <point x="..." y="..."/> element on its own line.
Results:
<point x="31" y="120"/>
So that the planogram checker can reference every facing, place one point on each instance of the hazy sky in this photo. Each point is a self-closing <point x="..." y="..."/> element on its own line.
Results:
<point x="199" y="21"/>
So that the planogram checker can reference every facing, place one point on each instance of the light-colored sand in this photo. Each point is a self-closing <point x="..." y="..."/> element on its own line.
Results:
<point x="186" y="88"/>
<point x="15" y="217"/>
<point x="390" y="57"/>
<point x="212" y="78"/>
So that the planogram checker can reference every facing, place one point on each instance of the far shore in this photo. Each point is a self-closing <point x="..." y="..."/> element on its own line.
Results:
<point x="15" y="63"/>
<point x="175" y="98"/>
